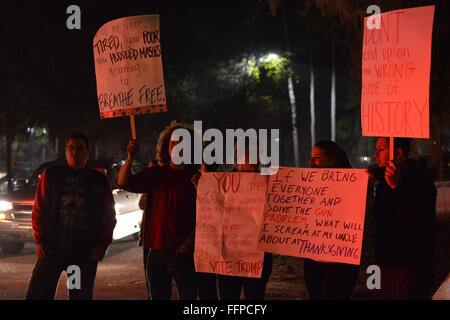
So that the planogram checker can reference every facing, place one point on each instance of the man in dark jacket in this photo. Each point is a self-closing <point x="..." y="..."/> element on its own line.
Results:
<point x="73" y="220"/>
<point x="405" y="214"/>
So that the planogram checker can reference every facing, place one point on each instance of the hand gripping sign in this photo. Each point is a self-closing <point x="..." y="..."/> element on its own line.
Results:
<point x="128" y="68"/>
<point x="396" y="61"/>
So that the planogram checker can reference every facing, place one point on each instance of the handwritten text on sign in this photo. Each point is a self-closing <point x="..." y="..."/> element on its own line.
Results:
<point x="315" y="213"/>
<point x="396" y="64"/>
<point x="128" y="67"/>
<point x="229" y="214"/>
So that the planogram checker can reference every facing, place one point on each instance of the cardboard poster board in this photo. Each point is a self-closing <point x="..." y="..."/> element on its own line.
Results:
<point x="315" y="213"/>
<point x="128" y="67"/>
<point x="396" y="62"/>
<point x="229" y="214"/>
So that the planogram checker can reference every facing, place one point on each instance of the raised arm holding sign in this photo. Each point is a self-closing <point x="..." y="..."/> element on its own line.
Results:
<point x="395" y="103"/>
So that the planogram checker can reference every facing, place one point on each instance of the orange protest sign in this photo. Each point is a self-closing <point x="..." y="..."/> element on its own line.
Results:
<point x="229" y="214"/>
<point x="396" y="61"/>
<point x="128" y="67"/>
<point x="315" y="213"/>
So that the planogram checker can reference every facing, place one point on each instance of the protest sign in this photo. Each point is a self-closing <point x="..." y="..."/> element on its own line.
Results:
<point x="396" y="61"/>
<point x="229" y="214"/>
<point x="315" y="213"/>
<point x="128" y="67"/>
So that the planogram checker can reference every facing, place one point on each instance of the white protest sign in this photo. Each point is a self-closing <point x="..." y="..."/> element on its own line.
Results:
<point x="128" y="67"/>
<point x="229" y="214"/>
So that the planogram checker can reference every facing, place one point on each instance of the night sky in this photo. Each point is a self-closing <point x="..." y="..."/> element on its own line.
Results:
<point x="49" y="75"/>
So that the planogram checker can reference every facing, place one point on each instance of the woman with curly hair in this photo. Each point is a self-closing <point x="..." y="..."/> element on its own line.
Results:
<point x="170" y="223"/>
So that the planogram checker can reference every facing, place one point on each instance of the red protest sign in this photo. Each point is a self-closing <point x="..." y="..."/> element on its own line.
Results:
<point x="396" y="61"/>
<point x="315" y="213"/>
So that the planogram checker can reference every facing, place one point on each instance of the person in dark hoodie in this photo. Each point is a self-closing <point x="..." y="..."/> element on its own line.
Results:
<point x="73" y="219"/>
<point x="405" y="214"/>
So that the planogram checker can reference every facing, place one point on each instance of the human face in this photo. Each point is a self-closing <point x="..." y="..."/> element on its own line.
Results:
<point x="381" y="155"/>
<point x="246" y="165"/>
<point x="76" y="153"/>
<point x="172" y="143"/>
<point x="319" y="159"/>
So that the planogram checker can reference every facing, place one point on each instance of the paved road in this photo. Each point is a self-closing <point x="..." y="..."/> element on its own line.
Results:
<point x="121" y="275"/>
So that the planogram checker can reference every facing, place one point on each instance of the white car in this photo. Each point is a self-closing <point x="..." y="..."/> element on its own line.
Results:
<point x="16" y="207"/>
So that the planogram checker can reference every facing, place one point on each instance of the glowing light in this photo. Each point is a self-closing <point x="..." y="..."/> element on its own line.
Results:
<point x="5" y="206"/>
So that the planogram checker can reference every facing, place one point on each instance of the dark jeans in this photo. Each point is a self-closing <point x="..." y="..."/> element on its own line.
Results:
<point x="330" y="281"/>
<point x="230" y="287"/>
<point x="207" y="286"/>
<point x="145" y="256"/>
<point x="46" y="273"/>
<point x="405" y="283"/>
<point x="160" y="278"/>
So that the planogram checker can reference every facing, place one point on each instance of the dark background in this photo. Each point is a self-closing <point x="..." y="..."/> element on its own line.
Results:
<point x="49" y="89"/>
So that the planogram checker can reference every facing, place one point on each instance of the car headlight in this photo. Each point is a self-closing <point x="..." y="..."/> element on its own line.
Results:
<point x="5" y="206"/>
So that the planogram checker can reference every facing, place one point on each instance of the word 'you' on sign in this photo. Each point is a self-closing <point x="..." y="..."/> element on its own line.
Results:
<point x="229" y="213"/>
<point x="128" y="67"/>
<point x="396" y="61"/>
<point x="315" y="213"/>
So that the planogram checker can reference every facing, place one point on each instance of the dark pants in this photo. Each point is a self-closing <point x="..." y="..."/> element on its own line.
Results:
<point x="160" y="278"/>
<point x="46" y="273"/>
<point x="230" y="287"/>
<point x="405" y="283"/>
<point x="207" y="286"/>
<point x="330" y="281"/>
<point x="145" y="256"/>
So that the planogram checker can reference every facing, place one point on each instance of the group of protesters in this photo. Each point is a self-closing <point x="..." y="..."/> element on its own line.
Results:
<point x="73" y="220"/>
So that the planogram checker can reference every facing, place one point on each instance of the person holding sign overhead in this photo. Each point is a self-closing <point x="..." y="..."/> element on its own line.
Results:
<point x="170" y="219"/>
<point x="405" y="213"/>
<point x="329" y="281"/>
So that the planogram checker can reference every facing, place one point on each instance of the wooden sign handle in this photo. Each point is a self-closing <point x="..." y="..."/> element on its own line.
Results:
<point x="391" y="148"/>
<point x="133" y="127"/>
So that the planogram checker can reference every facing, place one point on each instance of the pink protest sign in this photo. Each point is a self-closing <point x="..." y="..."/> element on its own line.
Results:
<point x="396" y="61"/>
<point x="229" y="214"/>
<point x="128" y="67"/>
<point x="315" y="213"/>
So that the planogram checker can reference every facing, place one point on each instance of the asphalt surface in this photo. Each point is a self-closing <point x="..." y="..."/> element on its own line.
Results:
<point x="120" y="276"/>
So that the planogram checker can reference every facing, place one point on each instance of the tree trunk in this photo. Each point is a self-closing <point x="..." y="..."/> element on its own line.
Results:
<point x="333" y="91"/>
<point x="292" y="100"/>
<point x="9" y="141"/>
<point x="312" y="105"/>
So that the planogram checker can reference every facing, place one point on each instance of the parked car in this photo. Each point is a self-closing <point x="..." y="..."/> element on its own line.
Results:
<point x="18" y="180"/>
<point x="441" y="177"/>
<point x="16" y="207"/>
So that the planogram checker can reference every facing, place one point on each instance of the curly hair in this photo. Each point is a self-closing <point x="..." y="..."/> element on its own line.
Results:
<point x="162" y="148"/>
